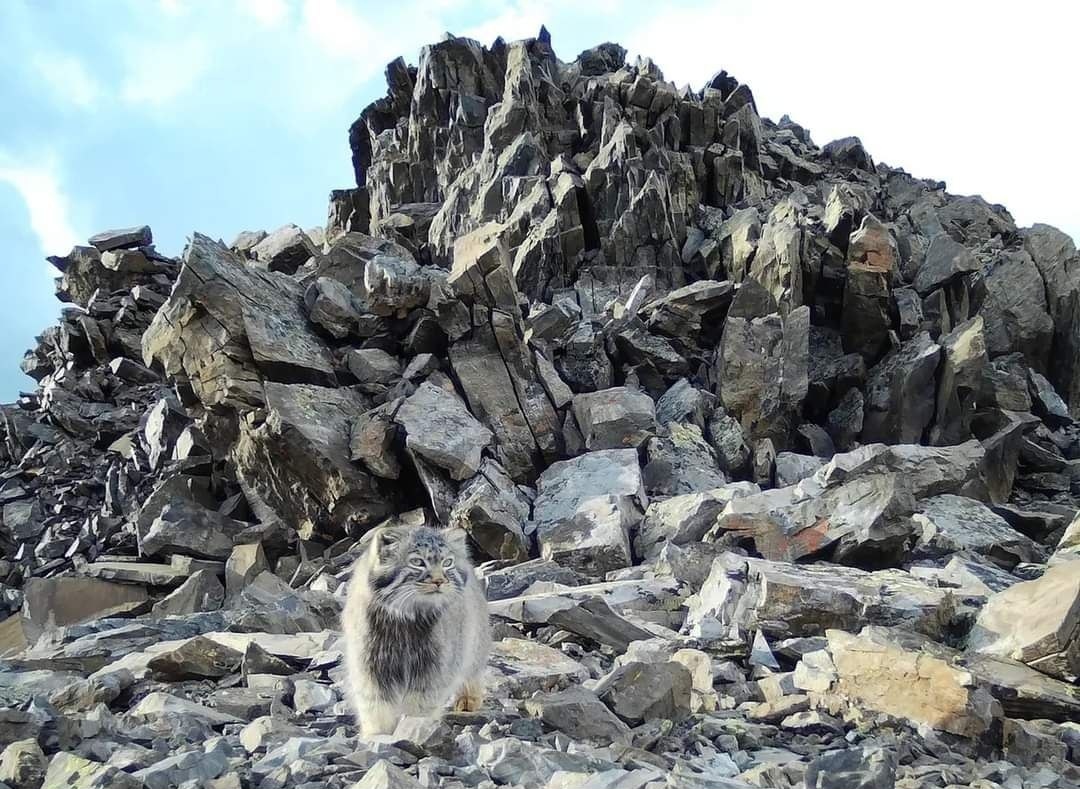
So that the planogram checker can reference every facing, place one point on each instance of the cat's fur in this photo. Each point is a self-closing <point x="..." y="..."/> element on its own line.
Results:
<point x="412" y="646"/>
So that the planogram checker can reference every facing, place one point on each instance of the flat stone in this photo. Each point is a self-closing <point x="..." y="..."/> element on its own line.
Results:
<point x="963" y="369"/>
<point x="1036" y="622"/>
<point x="792" y="467"/>
<point x="23" y="764"/>
<point x="971" y="575"/>
<point x="267" y="732"/>
<point x="594" y="619"/>
<point x="514" y="580"/>
<point x="195" y="658"/>
<point x="509" y="760"/>
<point x="332" y="306"/>
<point x="636" y="595"/>
<point x="786" y="600"/>
<point x="371" y="441"/>
<point x="149" y="573"/>
<point x="951" y="523"/>
<point x="945" y="259"/>
<point x="578" y="713"/>
<point x="123" y="238"/>
<point x="68" y="770"/>
<point x="776" y="710"/>
<point x="200" y="766"/>
<point x="900" y="393"/>
<point x="906" y="682"/>
<point x="817" y="440"/>
<point x="685" y="403"/>
<point x="680" y="460"/>
<point x="521" y="667"/>
<point x="394" y="285"/>
<point x="496" y="372"/>
<point x="384" y="775"/>
<point x="159" y="704"/>
<point x="131" y="371"/>
<point x="762" y="366"/>
<point x="1023" y="691"/>
<point x="244" y="563"/>
<point x="188" y="528"/>
<point x="872" y="257"/>
<point x="863" y="519"/>
<point x="928" y="471"/>
<point x="54" y="602"/>
<point x="727" y="437"/>
<point x="312" y="697"/>
<point x="1015" y="309"/>
<point x="1034" y="743"/>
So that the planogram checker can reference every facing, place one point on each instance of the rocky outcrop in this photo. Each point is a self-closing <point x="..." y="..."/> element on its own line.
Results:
<point x="766" y="453"/>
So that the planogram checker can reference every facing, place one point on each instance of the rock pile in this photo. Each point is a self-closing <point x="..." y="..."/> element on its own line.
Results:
<point x="768" y="452"/>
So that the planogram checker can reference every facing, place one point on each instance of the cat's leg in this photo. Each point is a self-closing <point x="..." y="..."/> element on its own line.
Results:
<point x="470" y="697"/>
<point x="377" y="717"/>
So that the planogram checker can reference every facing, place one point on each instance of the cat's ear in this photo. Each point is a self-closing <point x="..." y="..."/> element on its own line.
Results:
<point x="379" y="539"/>
<point x="457" y="538"/>
<point x="386" y="538"/>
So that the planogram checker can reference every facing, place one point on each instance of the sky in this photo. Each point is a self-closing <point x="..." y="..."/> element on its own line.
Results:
<point x="228" y="115"/>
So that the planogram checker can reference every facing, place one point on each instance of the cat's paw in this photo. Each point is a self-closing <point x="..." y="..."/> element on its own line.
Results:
<point x="470" y="699"/>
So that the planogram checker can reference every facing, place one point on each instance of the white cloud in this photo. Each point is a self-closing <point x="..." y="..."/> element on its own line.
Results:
<point x="517" y="21"/>
<point x="159" y="72"/>
<point x="338" y="29"/>
<point x="173" y="7"/>
<point x="39" y="187"/>
<point x="68" y="79"/>
<point x="269" y="13"/>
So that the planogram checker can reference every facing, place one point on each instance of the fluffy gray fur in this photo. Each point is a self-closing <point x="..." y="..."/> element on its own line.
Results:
<point x="416" y="627"/>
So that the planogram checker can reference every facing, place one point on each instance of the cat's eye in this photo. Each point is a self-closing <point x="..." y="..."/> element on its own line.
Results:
<point x="416" y="561"/>
<point x="448" y="561"/>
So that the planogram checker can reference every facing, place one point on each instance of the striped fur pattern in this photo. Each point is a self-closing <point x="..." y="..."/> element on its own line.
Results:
<point x="416" y="627"/>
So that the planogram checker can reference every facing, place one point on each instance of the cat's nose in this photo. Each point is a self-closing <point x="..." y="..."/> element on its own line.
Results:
<point x="438" y="580"/>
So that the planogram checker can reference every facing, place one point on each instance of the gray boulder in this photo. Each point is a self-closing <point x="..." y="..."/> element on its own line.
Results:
<point x="637" y="692"/>
<point x="295" y="465"/>
<point x="679" y="460"/>
<point x="615" y="418"/>
<point x="284" y="250"/>
<point x="492" y="509"/>
<point x="586" y="507"/>
<point x="900" y="393"/>
<point x="945" y="260"/>
<point x="228" y="325"/>
<point x="579" y="714"/>
<point x="951" y="524"/>
<point x="440" y="428"/>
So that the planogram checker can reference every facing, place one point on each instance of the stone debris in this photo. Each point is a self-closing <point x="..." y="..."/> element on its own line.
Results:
<point x="766" y="452"/>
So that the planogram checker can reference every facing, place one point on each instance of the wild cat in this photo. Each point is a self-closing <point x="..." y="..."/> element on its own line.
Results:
<point x="416" y="627"/>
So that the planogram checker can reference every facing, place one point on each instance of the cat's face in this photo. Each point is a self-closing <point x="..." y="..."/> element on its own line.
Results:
<point x="418" y="569"/>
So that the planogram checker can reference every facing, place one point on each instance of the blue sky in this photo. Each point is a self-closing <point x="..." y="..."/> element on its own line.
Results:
<point x="226" y="115"/>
